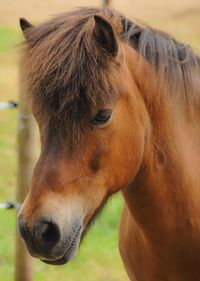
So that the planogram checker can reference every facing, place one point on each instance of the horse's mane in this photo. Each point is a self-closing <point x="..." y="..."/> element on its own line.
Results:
<point x="64" y="68"/>
<point x="176" y="63"/>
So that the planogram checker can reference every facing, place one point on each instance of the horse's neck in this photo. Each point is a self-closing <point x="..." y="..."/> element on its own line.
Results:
<point x="165" y="194"/>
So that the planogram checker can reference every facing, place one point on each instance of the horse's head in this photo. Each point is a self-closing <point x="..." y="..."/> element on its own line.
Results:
<point x="92" y="123"/>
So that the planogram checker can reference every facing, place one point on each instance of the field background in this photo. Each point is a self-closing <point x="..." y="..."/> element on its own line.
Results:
<point x="98" y="258"/>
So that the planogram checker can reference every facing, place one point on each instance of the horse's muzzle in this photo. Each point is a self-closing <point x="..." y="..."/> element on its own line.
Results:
<point x="49" y="242"/>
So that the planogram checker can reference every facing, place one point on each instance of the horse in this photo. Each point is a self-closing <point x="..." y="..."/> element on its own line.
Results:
<point x="118" y="108"/>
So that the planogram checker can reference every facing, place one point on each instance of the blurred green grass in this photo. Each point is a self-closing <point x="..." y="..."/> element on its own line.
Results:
<point x="98" y="258"/>
<point x="9" y="37"/>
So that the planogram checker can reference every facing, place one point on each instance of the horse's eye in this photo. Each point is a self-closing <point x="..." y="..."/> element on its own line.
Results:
<point x="102" y="117"/>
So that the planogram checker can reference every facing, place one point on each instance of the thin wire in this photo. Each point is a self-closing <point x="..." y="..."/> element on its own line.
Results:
<point x="25" y="116"/>
<point x="10" y="205"/>
<point x="10" y="104"/>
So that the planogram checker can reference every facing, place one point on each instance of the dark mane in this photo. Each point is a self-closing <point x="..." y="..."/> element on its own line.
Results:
<point x="65" y="71"/>
<point x="176" y="63"/>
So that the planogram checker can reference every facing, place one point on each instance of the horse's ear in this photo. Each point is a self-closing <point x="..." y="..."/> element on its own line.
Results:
<point x="25" y="26"/>
<point x="105" y="35"/>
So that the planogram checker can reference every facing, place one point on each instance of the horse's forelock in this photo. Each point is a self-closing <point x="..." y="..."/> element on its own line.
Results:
<point x="66" y="74"/>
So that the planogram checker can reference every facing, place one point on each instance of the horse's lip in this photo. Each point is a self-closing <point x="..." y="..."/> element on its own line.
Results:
<point x="67" y="256"/>
<point x="60" y="261"/>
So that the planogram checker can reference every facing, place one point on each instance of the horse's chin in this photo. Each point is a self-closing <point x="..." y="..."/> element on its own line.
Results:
<point x="65" y="259"/>
<point x="70" y="253"/>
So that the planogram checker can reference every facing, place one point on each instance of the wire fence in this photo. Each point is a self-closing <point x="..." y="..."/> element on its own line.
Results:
<point x="9" y="205"/>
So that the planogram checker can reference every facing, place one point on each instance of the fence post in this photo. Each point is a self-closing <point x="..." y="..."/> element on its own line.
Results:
<point x="27" y="142"/>
<point x="105" y="3"/>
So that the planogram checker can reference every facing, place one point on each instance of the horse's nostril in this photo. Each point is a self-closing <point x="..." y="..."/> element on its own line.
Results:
<point x="47" y="233"/>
